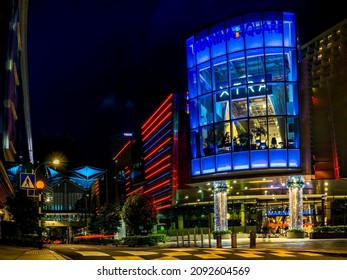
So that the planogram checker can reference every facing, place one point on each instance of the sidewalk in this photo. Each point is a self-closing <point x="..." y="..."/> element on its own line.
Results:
<point x="43" y="254"/>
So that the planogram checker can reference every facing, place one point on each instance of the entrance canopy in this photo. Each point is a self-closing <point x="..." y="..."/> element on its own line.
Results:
<point x="82" y="176"/>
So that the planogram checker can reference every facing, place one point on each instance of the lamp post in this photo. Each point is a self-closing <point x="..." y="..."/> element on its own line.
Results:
<point x="39" y="185"/>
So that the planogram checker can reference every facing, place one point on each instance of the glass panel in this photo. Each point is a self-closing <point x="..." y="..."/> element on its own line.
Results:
<point x="223" y="137"/>
<point x="208" y="165"/>
<point x="293" y="135"/>
<point x="294" y="158"/>
<point x="239" y="109"/>
<point x="240" y="135"/>
<point x="259" y="159"/>
<point x="218" y="46"/>
<point x="204" y="85"/>
<point x="207" y="141"/>
<point x="256" y="89"/>
<point x="291" y="65"/>
<point x="274" y="64"/>
<point x="222" y="106"/>
<point x="276" y="99"/>
<point x="273" y="29"/>
<point x="220" y="73"/>
<point x="194" y="143"/>
<point x="196" y="167"/>
<point x="257" y="106"/>
<point x="241" y="160"/>
<point x="193" y="113"/>
<point x="278" y="158"/>
<point x="237" y="69"/>
<point x="190" y="52"/>
<point x="192" y="90"/>
<point x="292" y="99"/>
<point x="258" y="131"/>
<point x="239" y="92"/>
<point x="223" y="162"/>
<point x="206" y="109"/>
<point x="201" y="47"/>
<point x="277" y="128"/>
<point x="255" y="66"/>
<point x="234" y="35"/>
<point x="253" y="31"/>
<point x="289" y="29"/>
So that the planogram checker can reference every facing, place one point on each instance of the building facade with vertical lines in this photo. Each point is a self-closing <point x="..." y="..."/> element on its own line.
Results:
<point x="15" y="124"/>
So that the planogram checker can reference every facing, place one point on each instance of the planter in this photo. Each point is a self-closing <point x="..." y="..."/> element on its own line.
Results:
<point x="327" y="235"/>
<point x="292" y="234"/>
<point x="223" y="235"/>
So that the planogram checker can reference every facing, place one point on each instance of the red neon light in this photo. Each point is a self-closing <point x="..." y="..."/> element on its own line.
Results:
<point x="157" y="186"/>
<point x="161" y="199"/>
<point x="156" y="119"/>
<point x="156" y="111"/>
<point x="159" y="162"/>
<point x="157" y="148"/>
<point x="134" y="191"/>
<point x="160" y="169"/>
<point x="163" y="206"/>
<point x="126" y="145"/>
<point x="154" y="128"/>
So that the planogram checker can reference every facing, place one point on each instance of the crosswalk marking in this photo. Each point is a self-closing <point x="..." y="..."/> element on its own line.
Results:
<point x="209" y="256"/>
<point x="92" y="253"/>
<point x="125" y="258"/>
<point x="139" y="253"/>
<point x="310" y="254"/>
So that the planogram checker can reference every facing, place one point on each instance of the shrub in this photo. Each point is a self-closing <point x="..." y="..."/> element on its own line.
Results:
<point x="221" y="231"/>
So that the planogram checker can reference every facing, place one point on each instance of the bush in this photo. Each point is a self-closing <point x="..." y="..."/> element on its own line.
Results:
<point x="141" y="240"/>
<point x="221" y="231"/>
<point x="295" y="230"/>
<point x="325" y="229"/>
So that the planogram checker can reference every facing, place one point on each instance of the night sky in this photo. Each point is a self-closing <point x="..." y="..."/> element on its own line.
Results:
<point x="97" y="68"/>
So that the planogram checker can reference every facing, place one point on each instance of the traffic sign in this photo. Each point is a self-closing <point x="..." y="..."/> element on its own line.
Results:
<point x="27" y="181"/>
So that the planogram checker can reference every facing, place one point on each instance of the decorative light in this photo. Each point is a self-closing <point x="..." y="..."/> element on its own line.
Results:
<point x="295" y="182"/>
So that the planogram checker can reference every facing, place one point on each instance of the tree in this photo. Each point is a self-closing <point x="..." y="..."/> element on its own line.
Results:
<point x="24" y="211"/>
<point x="139" y="213"/>
<point x="107" y="220"/>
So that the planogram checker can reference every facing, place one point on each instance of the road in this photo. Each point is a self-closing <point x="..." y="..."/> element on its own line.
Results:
<point x="272" y="252"/>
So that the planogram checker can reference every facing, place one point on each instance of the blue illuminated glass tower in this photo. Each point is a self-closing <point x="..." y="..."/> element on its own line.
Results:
<point x="243" y="95"/>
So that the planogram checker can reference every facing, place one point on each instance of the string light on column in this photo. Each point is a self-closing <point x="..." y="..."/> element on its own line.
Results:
<point x="220" y="206"/>
<point x="295" y="185"/>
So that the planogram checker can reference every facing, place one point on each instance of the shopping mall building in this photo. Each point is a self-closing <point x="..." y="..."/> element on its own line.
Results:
<point x="264" y="132"/>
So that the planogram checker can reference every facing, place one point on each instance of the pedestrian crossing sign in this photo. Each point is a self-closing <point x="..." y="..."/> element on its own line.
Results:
<point x="27" y="181"/>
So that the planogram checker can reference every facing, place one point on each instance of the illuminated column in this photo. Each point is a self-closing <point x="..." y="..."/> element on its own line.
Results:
<point x="220" y="206"/>
<point x="295" y="186"/>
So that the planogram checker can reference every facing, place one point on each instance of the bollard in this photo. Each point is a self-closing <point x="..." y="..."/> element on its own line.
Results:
<point x="219" y="240"/>
<point x="233" y="240"/>
<point x="252" y="237"/>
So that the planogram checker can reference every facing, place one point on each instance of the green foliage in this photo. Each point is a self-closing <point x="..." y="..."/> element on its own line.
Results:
<point x="139" y="213"/>
<point x="107" y="220"/>
<point x="150" y="240"/>
<point x="24" y="211"/>
<point x="325" y="229"/>
<point x="295" y="230"/>
<point x="221" y="231"/>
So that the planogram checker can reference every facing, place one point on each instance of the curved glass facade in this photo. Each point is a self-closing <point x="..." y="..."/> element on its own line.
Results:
<point x="243" y="94"/>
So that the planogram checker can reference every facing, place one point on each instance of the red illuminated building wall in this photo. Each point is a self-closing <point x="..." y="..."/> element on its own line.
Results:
<point x="160" y="145"/>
